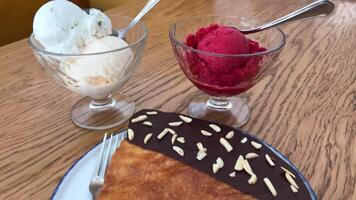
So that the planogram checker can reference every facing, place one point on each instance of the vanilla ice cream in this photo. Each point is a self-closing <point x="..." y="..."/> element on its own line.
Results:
<point x="62" y="27"/>
<point x="98" y="74"/>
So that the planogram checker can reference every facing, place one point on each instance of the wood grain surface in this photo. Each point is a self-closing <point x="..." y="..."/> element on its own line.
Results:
<point x="305" y="106"/>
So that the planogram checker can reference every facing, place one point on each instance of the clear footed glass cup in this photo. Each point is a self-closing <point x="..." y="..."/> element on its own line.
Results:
<point x="222" y="77"/>
<point x="98" y="76"/>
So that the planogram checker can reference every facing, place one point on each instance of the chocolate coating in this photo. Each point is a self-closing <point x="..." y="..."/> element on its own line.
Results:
<point x="191" y="133"/>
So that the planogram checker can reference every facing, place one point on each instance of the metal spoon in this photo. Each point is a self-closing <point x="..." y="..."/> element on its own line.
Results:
<point x="315" y="9"/>
<point x="122" y="32"/>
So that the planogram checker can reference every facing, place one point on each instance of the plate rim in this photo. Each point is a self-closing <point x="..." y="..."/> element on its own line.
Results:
<point x="55" y="191"/>
<point x="283" y="157"/>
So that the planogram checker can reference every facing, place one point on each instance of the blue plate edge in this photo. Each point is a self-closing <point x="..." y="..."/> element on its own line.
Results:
<point x="75" y="163"/>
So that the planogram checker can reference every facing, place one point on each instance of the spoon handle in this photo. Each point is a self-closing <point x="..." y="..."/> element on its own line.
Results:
<point x="315" y="9"/>
<point x="149" y="5"/>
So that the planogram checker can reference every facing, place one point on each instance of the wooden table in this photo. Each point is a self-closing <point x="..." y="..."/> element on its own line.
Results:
<point x="305" y="106"/>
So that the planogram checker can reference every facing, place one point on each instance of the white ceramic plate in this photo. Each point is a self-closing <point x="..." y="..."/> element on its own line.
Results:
<point x="75" y="182"/>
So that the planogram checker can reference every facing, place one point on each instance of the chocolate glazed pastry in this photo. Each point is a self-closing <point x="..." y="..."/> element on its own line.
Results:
<point x="157" y="169"/>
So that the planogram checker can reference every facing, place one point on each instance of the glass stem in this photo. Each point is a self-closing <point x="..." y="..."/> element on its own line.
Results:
<point x="219" y="103"/>
<point x="102" y="104"/>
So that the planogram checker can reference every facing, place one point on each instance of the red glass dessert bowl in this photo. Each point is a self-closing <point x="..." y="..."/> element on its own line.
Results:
<point x="223" y="63"/>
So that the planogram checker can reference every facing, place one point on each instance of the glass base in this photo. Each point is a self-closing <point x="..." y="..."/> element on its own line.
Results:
<point x="102" y="114"/>
<point x="232" y="111"/>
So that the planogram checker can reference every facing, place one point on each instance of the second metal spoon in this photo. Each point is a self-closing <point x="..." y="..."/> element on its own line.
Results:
<point x="315" y="9"/>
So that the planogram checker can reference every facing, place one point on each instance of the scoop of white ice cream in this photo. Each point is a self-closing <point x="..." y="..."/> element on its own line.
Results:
<point x="56" y="24"/>
<point x="97" y="75"/>
<point x="97" y="24"/>
<point x="63" y="27"/>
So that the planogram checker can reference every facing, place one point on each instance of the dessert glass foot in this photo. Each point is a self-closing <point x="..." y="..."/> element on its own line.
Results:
<point x="102" y="114"/>
<point x="232" y="111"/>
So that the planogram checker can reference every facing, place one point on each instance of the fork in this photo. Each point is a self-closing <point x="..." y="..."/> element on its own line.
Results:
<point x="106" y="152"/>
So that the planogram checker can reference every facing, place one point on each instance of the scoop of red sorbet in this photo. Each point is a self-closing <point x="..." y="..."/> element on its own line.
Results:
<point x="222" y="75"/>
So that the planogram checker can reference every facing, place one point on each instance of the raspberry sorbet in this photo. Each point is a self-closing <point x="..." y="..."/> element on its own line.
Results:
<point x="222" y="75"/>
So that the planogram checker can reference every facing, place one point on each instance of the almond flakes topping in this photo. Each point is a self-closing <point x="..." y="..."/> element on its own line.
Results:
<point x="220" y="162"/>
<point x="205" y="133"/>
<point x="270" y="187"/>
<point x="151" y="113"/>
<point x="201" y="147"/>
<point x="269" y="160"/>
<point x="251" y="155"/>
<point x="185" y="118"/>
<point x="201" y="155"/>
<point x="230" y="135"/>
<point x="286" y="170"/>
<point x="226" y="144"/>
<point x="291" y="180"/>
<point x="294" y="189"/>
<point x="139" y="119"/>
<point x="175" y="123"/>
<point x="215" y="168"/>
<point x="130" y="134"/>
<point x="253" y="179"/>
<point x="244" y="140"/>
<point x="147" y="138"/>
<point x="239" y="165"/>
<point x="173" y="139"/>
<point x="215" y="127"/>
<point x="256" y="145"/>
<point x="147" y="123"/>
<point x="247" y="167"/>
<point x="181" y="140"/>
<point x="232" y="174"/>
<point x="163" y="133"/>
<point x="178" y="150"/>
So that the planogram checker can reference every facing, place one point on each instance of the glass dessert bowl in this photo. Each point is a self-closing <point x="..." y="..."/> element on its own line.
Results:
<point x="98" y="73"/>
<point x="223" y="63"/>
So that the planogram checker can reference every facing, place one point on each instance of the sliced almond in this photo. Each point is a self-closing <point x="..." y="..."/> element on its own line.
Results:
<point x="185" y="118"/>
<point x="215" y="168"/>
<point x="270" y="187"/>
<point x="130" y="134"/>
<point x="215" y="127"/>
<point x="244" y="140"/>
<point x="181" y="140"/>
<point x="139" y="119"/>
<point x="286" y="170"/>
<point x="175" y="123"/>
<point x="206" y="133"/>
<point x="178" y="150"/>
<point x="252" y="180"/>
<point x="232" y="174"/>
<point x="269" y="160"/>
<point x="201" y="147"/>
<point x="294" y="189"/>
<point x="251" y="155"/>
<point x="256" y="145"/>
<point x="147" y="138"/>
<point x="162" y="134"/>
<point x="291" y="180"/>
<point x="171" y="131"/>
<point x="151" y="113"/>
<point x="173" y="139"/>
<point x="201" y="155"/>
<point x="247" y="167"/>
<point x="226" y="144"/>
<point x="230" y="135"/>
<point x="147" y="123"/>
<point x="239" y="165"/>
<point x="220" y="162"/>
